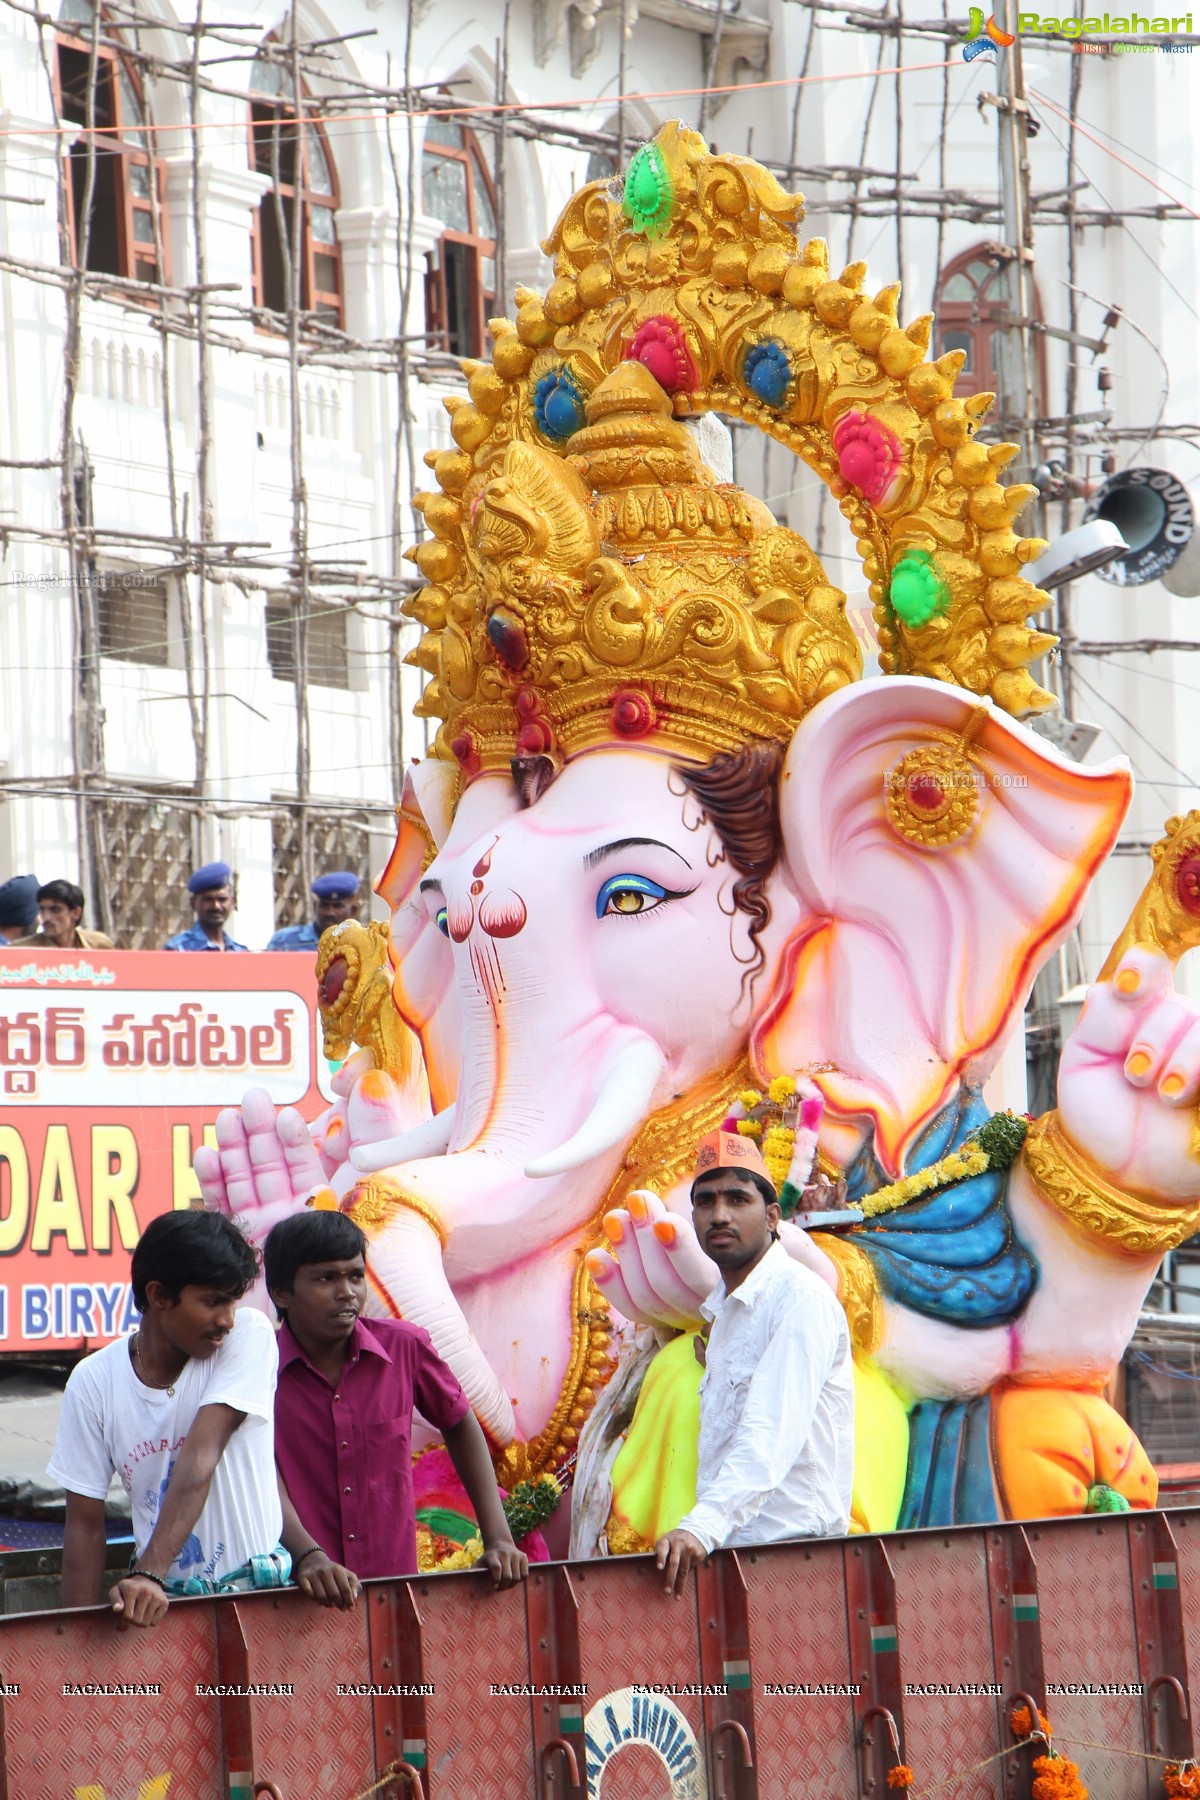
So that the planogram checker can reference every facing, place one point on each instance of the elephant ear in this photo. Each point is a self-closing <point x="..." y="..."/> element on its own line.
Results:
<point x="940" y="853"/>
<point x="423" y="983"/>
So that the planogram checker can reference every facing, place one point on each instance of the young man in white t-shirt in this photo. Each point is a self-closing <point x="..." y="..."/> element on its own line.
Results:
<point x="183" y="1411"/>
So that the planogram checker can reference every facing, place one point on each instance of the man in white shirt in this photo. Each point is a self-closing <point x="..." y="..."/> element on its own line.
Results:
<point x="183" y="1411"/>
<point x="776" y="1453"/>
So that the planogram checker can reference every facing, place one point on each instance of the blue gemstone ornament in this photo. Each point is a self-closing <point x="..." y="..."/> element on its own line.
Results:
<point x="558" y="405"/>
<point x="768" y="372"/>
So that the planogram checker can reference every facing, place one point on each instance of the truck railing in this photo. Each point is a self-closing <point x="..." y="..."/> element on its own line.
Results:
<point x="817" y="1669"/>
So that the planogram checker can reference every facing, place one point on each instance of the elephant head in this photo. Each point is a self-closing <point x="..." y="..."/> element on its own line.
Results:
<point x="870" y="904"/>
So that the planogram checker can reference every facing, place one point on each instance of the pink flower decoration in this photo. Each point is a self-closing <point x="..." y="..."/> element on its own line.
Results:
<point x="869" y="455"/>
<point x="659" y="347"/>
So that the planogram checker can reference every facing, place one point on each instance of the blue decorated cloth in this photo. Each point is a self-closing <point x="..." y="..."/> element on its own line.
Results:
<point x="952" y="1255"/>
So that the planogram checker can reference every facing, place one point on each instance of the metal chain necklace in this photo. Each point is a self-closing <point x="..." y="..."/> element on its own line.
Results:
<point x="168" y="1386"/>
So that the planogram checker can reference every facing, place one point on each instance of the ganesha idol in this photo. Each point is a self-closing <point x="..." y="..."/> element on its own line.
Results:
<point x="670" y="852"/>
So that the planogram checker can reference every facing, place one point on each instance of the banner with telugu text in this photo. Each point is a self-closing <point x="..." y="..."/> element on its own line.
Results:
<point x="113" y="1068"/>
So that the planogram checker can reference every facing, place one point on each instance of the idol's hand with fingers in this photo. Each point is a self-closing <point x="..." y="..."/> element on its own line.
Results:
<point x="1129" y="1080"/>
<point x="656" y="1273"/>
<point x="265" y="1166"/>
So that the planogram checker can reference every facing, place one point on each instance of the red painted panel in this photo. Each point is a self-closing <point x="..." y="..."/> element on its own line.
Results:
<point x="55" y="1743"/>
<point x="946" y="1640"/>
<point x="1089" y="1637"/>
<point x="631" y="1632"/>
<point x="1185" y="1528"/>
<point x="798" y="1635"/>
<point x="291" y="1640"/>
<point x="479" y="1743"/>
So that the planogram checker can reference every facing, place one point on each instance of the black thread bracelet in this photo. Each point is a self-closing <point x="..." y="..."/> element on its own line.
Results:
<point x="145" y="1575"/>
<point x="313" y="1550"/>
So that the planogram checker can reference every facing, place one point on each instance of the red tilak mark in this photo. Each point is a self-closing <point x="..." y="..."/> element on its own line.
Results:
<point x="485" y="861"/>
<point x="503" y="918"/>
<point x="477" y="887"/>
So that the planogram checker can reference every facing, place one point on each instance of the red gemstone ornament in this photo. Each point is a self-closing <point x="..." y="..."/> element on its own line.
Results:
<point x="869" y="455"/>
<point x="658" y="345"/>
<point x="464" y="750"/>
<point x="1187" y="884"/>
<point x="632" y="715"/>
<point x="926" y="793"/>
<point x="536" y="734"/>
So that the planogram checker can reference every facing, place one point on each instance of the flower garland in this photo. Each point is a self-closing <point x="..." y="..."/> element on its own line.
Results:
<point x="901" y="1776"/>
<point x="994" y="1146"/>
<point x="784" y="1121"/>
<point x="1182" y="1781"/>
<point x="526" y="1508"/>
<point x="1055" y="1777"/>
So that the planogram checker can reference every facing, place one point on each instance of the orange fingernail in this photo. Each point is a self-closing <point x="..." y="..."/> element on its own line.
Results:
<point x="636" y="1207"/>
<point x="614" y="1231"/>
<point x="664" y="1231"/>
<point x="1128" y="981"/>
<point x="1138" y="1062"/>
<point x="377" y="1084"/>
<point x="324" y="1200"/>
<point x="335" y="1129"/>
<point x="1173" y="1084"/>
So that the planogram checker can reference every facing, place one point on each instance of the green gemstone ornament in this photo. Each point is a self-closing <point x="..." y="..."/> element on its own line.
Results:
<point x="917" y="592"/>
<point x="647" y="199"/>
<point x="1104" y="1499"/>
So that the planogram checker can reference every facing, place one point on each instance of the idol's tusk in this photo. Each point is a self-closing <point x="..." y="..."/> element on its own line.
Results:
<point x="430" y="1138"/>
<point x="621" y="1105"/>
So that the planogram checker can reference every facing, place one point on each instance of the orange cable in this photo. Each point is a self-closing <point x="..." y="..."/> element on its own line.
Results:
<point x="1125" y="164"/>
<point x="475" y="108"/>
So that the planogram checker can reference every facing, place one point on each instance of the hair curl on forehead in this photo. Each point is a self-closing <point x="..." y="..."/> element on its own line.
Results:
<point x="739" y="794"/>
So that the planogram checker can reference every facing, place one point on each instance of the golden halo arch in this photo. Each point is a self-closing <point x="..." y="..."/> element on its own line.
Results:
<point x="693" y="266"/>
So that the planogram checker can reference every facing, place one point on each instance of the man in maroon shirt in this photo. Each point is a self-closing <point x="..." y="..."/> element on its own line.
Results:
<point x="344" y="1406"/>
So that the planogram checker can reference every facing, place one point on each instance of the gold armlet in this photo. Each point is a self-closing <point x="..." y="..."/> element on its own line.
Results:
<point x="858" y="1291"/>
<point x="1071" y="1182"/>
<point x="375" y="1201"/>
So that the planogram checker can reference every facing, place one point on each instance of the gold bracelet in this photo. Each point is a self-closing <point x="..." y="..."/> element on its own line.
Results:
<point x="1070" y="1181"/>
<point x="374" y="1201"/>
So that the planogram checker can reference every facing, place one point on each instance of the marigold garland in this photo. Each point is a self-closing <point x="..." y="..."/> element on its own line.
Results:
<point x="1055" y="1777"/>
<point x="1182" y="1781"/>
<point x="901" y="1776"/>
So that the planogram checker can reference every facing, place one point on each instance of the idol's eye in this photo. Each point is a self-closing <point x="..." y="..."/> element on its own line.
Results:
<point x="442" y="926"/>
<point x="627" y="895"/>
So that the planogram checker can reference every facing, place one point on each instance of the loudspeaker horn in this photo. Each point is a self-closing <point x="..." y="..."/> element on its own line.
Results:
<point x="1153" y="512"/>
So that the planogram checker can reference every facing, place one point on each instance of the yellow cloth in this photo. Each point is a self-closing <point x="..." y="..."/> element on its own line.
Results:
<point x="654" y="1475"/>
<point x="880" y="1450"/>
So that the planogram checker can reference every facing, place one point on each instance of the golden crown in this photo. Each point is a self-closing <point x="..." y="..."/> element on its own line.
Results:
<point x="590" y="579"/>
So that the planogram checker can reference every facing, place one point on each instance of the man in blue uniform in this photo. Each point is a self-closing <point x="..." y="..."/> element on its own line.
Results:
<point x="336" y="897"/>
<point x="211" y="889"/>
<point x="18" y="907"/>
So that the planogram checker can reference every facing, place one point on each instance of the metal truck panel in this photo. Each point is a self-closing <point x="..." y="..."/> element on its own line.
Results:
<point x="678" y="1704"/>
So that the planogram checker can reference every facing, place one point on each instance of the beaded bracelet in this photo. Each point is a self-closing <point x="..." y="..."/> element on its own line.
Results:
<point x="312" y="1550"/>
<point x="145" y="1575"/>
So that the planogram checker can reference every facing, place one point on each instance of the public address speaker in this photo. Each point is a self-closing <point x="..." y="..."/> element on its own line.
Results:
<point x="1153" y="512"/>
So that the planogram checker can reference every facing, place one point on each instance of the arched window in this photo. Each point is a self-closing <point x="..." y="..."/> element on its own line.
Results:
<point x="117" y="236"/>
<point x="297" y="159"/>
<point x="971" y="305"/>
<point x="460" y="287"/>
